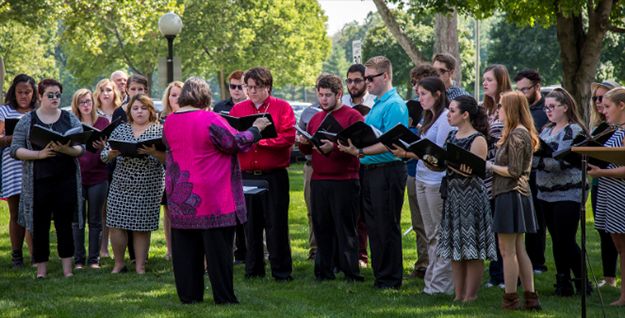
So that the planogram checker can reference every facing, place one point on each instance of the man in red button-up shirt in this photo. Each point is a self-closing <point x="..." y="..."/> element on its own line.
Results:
<point x="268" y="161"/>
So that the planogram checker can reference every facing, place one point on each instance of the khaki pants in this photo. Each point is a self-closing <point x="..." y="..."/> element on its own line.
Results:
<point x="417" y="225"/>
<point x="438" y="277"/>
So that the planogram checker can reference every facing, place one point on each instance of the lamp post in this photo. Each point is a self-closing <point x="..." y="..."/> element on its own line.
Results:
<point x="170" y="25"/>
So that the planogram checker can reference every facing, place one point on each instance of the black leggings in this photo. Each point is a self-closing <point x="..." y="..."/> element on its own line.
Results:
<point x="562" y="219"/>
<point x="609" y="255"/>
<point x="54" y="198"/>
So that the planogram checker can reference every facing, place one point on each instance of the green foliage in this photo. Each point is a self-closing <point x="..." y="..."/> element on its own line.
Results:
<point x="27" y="49"/>
<point x="29" y="13"/>
<point x="99" y="37"/>
<point x="337" y="63"/>
<point x="287" y="36"/>
<point x="520" y="48"/>
<point x="380" y="41"/>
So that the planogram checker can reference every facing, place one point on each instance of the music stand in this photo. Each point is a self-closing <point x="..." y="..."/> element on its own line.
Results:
<point x="614" y="155"/>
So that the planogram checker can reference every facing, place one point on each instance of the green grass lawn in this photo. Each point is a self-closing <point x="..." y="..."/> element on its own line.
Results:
<point x="100" y="294"/>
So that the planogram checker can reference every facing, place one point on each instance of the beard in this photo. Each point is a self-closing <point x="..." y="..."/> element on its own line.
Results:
<point x="355" y="93"/>
<point x="532" y="99"/>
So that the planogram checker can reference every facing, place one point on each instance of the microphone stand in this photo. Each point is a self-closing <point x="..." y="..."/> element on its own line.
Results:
<point x="584" y="274"/>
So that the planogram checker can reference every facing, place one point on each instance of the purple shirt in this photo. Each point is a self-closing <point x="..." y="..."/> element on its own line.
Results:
<point x="93" y="171"/>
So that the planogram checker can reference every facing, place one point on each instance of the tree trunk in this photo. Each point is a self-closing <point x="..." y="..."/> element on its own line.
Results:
<point x="223" y="92"/>
<point x="580" y="51"/>
<point x="1" y="79"/>
<point x="446" y="40"/>
<point x="389" y="20"/>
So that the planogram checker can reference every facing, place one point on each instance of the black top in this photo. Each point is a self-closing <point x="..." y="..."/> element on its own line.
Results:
<point x="224" y="105"/>
<point x="119" y="113"/>
<point x="60" y="165"/>
<point x="539" y="115"/>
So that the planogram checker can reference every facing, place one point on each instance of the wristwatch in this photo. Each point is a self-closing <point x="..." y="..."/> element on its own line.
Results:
<point x="361" y="153"/>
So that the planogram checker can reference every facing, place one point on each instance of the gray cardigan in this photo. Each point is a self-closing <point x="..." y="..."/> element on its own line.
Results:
<point x="21" y="139"/>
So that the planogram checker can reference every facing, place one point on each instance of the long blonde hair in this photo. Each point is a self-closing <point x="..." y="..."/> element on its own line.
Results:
<point x="98" y="90"/>
<point x="517" y="112"/>
<point x="75" y="104"/>
<point x="166" y="106"/>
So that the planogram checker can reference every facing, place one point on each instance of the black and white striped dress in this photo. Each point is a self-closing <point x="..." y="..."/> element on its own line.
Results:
<point x="11" y="168"/>
<point x="610" y="214"/>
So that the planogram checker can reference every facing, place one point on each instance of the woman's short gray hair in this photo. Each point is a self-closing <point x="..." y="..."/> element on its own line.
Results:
<point x="195" y="93"/>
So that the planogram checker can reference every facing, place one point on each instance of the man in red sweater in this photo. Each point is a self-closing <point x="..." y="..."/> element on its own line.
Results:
<point x="334" y="186"/>
<point x="268" y="160"/>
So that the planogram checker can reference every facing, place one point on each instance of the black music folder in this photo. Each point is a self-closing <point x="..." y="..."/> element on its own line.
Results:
<point x="361" y="134"/>
<point x="98" y="134"/>
<point x="544" y="151"/>
<point x="429" y="152"/>
<point x="328" y="129"/>
<point x="399" y="135"/>
<point x="456" y="156"/>
<point x="42" y="136"/>
<point x="597" y="140"/>
<point x="9" y="126"/>
<point x="129" y="149"/>
<point x="245" y="122"/>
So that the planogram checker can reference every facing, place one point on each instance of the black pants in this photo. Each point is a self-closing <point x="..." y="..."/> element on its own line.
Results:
<point x="273" y="218"/>
<point x="189" y="248"/>
<point x="334" y="216"/>
<point x="239" y="244"/>
<point x="609" y="255"/>
<point x="94" y="197"/>
<point x="562" y="219"/>
<point x="382" y="199"/>
<point x="53" y="198"/>
<point x="535" y="242"/>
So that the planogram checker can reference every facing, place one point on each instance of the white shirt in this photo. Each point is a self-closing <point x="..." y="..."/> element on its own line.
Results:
<point x="367" y="100"/>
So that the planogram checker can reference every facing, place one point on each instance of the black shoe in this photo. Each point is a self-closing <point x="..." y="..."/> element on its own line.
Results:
<point x="578" y="287"/>
<point x="564" y="287"/>
<point x="17" y="260"/>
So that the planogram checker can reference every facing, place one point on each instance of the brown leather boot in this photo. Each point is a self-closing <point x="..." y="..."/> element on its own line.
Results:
<point x="510" y="301"/>
<point x="531" y="301"/>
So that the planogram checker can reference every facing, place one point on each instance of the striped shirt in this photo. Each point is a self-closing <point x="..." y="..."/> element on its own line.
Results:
<point x="11" y="168"/>
<point x="610" y="214"/>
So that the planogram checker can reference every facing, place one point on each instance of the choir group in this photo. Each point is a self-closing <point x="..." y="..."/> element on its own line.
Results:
<point x="111" y="162"/>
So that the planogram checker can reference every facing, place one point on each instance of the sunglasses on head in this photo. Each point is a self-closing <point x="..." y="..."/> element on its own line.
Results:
<point x="235" y="86"/>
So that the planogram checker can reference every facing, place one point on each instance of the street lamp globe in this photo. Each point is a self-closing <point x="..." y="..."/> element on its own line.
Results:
<point x="170" y="24"/>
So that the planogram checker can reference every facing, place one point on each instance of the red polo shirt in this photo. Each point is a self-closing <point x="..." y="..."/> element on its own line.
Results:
<point x="337" y="165"/>
<point x="272" y="153"/>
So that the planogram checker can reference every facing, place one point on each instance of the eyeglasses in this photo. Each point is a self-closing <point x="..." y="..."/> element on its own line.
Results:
<point x="597" y="99"/>
<point x="550" y="108"/>
<point x="83" y="102"/>
<point x="53" y="95"/>
<point x="524" y="90"/>
<point x="356" y="81"/>
<point x="371" y="77"/>
<point x="253" y="88"/>
<point x="235" y="86"/>
<point x="442" y="71"/>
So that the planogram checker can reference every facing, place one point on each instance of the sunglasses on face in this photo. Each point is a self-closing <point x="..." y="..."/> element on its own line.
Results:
<point x="235" y="86"/>
<point x="371" y="77"/>
<point x="53" y="95"/>
<point x="597" y="99"/>
<point x="550" y="108"/>
<point x="356" y="81"/>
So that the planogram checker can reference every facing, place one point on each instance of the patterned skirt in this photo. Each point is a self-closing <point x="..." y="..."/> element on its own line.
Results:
<point x="465" y="229"/>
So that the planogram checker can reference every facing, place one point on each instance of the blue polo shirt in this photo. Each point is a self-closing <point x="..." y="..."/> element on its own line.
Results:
<point x="387" y="111"/>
